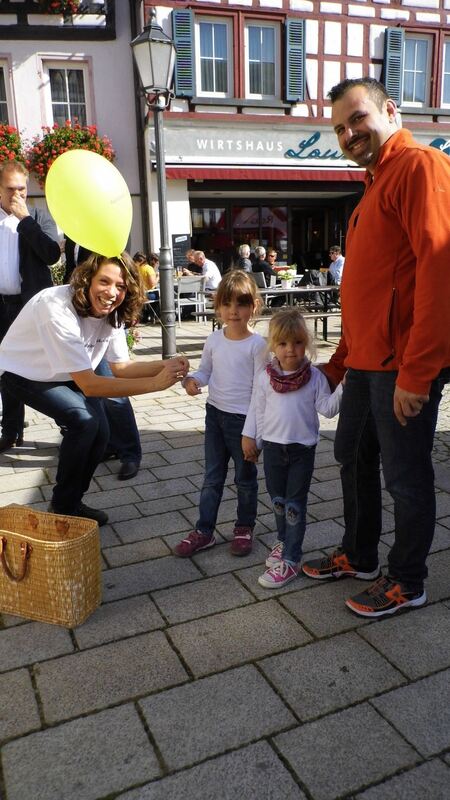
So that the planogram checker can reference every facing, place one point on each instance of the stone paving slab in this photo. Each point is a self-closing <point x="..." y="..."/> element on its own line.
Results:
<point x="18" y="708"/>
<point x="81" y="760"/>
<point x="150" y="527"/>
<point x="147" y="576"/>
<point x="421" y="712"/>
<point x="106" y="675"/>
<point x="329" y="675"/>
<point x="192" y="600"/>
<point x="326" y="533"/>
<point x="356" y="747"/>
<point x="35" y="641"/>
<point x="165" y="489"/>
<point x="417" y="643"/>
<point x="429" y="781"/>
<point x="219" y="558"/>
<point x="119" y="620"/>
<point x="131" y="553"/>
<point x="438" y="584"/>
<point x="241" y="702"/>
<point x="233" y="637"/>
<point x="324" y="612"/>
<point x="251" y="773"/>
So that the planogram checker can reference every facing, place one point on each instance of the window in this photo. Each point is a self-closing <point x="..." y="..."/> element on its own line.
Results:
<point x="4" y="119"/>
<point x="214" y="75"/>
<point x="205" y="59"/>
<point x="445" y="101"/>
<point x="416" y="70"/>
<point x="68" y="96"/>
<point x="66" y="86"/>
<point x="262" y="47"/>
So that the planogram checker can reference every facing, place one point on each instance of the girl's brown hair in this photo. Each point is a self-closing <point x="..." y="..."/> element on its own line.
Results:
<point x="286" y="325"/>
<point x="128" y="311"/>
<point x="239" y="285"/>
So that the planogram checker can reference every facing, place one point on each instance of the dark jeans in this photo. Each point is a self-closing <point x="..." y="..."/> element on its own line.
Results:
<point x="85" y="438"/>
<point x="368" y="429"/>
<point x="288" y="469"/>
<point x="223" y="432"/>
<point x="13" y="411"/>
<point x="124" y="435"/>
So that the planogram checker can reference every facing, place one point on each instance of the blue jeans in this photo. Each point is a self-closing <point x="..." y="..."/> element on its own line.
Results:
<point x="13" y="411"/>
<point x="288" y="469"/>
<point x="367" y="430"/>
<point x="124" y="435"/>
<point x="223" y="432"/>
<point x="85" y="438"/>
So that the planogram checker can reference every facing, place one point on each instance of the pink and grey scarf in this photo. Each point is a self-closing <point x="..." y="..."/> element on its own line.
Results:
<point x="292" y="381"/>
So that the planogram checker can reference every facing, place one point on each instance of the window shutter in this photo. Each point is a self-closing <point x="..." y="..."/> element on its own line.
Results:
<point x="295" y="60"/>
<point x="183" y="36"/>
<point x="392" y="75"/>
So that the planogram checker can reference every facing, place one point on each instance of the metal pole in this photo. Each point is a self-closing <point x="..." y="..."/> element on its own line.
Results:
<point x="166" y="287"/>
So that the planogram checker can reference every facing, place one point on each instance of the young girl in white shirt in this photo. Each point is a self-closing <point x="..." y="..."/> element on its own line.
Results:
<point x="284" y="413"/>
<point x="231" y="360"/>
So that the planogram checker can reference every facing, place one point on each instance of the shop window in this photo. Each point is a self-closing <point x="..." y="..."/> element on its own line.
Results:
<point x="67" y="92"/>
<point x="213" y="65"/>
<point x="407" y="70"/>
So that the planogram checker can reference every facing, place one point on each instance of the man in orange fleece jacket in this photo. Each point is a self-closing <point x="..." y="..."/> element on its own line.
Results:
<point x="395" y="346"/>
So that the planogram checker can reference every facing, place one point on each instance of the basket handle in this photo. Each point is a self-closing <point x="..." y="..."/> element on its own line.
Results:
<point x="25" y="550"/>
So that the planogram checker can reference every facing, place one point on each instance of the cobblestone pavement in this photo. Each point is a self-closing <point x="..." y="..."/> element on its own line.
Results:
<point x="193" y="682"/>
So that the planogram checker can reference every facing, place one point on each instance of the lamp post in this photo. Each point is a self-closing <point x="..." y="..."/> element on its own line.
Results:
<point x="154" y="55"/>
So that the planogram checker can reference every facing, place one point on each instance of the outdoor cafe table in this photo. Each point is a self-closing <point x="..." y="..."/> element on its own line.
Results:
<point x="297" y="292"/>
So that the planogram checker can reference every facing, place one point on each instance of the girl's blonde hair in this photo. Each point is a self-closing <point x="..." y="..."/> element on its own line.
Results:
<point x="239" y="285"/>
<point x="288" y="324"/>
<point x="81" y="279"/>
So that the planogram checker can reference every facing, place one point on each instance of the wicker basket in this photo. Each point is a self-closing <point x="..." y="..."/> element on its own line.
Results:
<point x="49" y="566"/>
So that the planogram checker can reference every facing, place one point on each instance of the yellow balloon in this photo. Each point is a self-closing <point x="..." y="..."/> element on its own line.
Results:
<point x="89" y="200"/>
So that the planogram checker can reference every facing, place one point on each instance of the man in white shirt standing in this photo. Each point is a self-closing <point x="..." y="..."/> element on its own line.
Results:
<point x="337" y="263"/>
<point x="28" y="245"/>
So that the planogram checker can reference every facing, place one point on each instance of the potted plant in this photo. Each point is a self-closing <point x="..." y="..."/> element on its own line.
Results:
<point x="64" y="7"/>
<point x="286" y="276"/>
<point x="57" y="140"/>
<point x="10" y="144"/>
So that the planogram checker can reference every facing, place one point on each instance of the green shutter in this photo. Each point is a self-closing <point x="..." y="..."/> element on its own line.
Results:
<point x="295" y="60"/>
<point x="392" y="75"/>
<point x="183" y="36"/>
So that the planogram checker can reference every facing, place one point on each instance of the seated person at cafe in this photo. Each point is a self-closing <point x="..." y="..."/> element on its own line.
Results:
<point x="210" y="271"/>
<point x="191" y="265"/>
<point x="244" y="262"/>
<point x="337" y="263"/>
<point x="261" y="265"/>
<point x="149" y="272"/>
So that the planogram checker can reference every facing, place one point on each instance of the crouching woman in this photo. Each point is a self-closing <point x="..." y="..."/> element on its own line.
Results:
<point x="48" y="358"/>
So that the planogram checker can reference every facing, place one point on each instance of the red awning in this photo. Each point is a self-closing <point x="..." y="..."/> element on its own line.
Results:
<point x="263" y="174"/>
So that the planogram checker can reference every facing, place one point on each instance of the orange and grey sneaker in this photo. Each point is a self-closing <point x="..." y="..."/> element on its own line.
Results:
<point x="242" y="542"/>
<point x="385" y="596"/>
<point x="336" y="565"/>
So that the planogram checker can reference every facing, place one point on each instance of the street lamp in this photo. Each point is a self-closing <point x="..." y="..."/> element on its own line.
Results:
<point x="154" y="55"/>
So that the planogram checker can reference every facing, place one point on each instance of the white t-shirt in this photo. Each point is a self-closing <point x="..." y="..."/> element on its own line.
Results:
<point x="290" y="417"/>
<point x="211" y="272"/>
<point x="229" y="367"/>
<point x="10" y="281"/>
<point x="48" y="340"/>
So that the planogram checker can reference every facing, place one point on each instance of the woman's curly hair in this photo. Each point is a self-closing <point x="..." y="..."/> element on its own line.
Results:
<point x="128" y="311"/>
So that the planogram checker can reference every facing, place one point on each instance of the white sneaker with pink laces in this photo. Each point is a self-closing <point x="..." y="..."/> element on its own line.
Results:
<point x="276" y="555"/>
<point x="278" y="575"/>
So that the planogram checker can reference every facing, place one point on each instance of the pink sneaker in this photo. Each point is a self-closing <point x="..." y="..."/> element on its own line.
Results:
<point x="194" y="542"/>
<point x="276" y="555"/>
<point x="278" y="576"/>
<point x="242" y="542"/>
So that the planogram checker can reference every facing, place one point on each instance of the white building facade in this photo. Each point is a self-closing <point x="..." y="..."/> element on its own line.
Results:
<point x="250" y="153"/>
